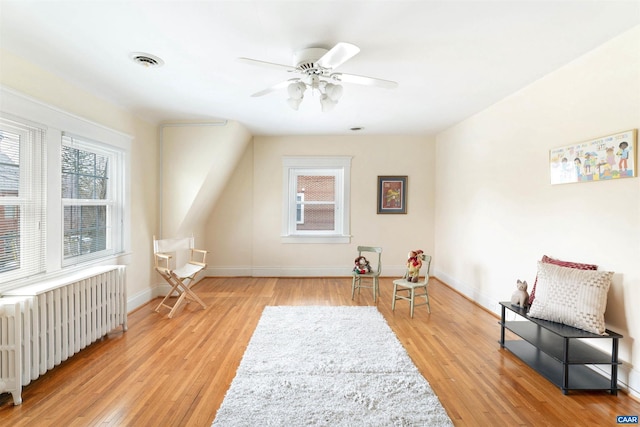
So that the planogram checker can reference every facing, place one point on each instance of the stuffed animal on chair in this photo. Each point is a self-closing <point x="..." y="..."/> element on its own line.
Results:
<point x="414" y="263"/>
<point x="520" y="296"/>
<point x="362" y="265"/>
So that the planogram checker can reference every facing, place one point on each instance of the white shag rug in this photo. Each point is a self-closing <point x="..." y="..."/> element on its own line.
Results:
<point x="327" y="366"/>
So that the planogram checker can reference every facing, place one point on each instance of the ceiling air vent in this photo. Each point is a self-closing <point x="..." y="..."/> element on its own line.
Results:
<point x="146" y="60"/>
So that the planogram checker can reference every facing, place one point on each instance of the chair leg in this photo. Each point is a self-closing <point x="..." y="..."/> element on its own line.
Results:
<point x="163" y="301"/>
<point x="353" y="287"/>
<point x="177" y="304"/>
<point x="375" y="289"/>
<point x="174" y="288"/>
<point x="393" y="303"/>
<point x="186" y="292"/>
<point x="197" y="298"/>
<point x="183" y="289"/>
<point x="413" y="295"/>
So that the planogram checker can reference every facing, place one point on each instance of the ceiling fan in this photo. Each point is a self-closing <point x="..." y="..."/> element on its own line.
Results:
<point x="316" y="67"/>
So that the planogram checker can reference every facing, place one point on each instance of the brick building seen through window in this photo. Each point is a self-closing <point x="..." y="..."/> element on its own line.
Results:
<point x="315" y="208"/>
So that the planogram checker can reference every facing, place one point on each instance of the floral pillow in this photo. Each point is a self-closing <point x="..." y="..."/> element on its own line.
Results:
<point x="570" y="264"/>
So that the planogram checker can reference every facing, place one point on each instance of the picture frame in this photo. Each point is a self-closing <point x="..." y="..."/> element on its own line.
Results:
<point x="606" y="158"/>
<point x="392" y="195"/>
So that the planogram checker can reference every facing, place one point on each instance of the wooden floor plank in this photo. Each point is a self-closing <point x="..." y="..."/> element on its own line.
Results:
<point x="176" y="371"/>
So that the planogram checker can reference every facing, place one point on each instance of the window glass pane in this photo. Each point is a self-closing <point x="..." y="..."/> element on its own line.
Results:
<point x="101" y="188"/>
<point x="9" y="237"/>
<point x="102" y="162"/>
<point x="318" y="217"/>
<point x="69" y="156"/>
<point x="69" y="186"/>
<point x="315" y="212"/>
<point x="85" y="230"/>
<point x="84" y="174"/>
<point x="86" y="187"/>
<point x="317" y="188"/>
<point x="86" y="162"/>
<point x="9" y="164"/>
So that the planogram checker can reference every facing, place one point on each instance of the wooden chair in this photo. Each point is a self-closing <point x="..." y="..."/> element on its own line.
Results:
<point x="406" y="290"/>
<point x="171" y="252"/>
<point x="374" y="258"/>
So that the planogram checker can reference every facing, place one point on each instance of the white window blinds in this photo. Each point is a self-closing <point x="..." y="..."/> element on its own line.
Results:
<point x="22" y="200"/>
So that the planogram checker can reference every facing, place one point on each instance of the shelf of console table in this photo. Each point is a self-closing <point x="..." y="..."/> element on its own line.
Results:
<point x="559" y="352"/>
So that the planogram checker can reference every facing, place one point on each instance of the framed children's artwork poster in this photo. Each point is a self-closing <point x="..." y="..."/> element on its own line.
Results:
<point x="392" y="194"/>
<point x="607" y="158"/>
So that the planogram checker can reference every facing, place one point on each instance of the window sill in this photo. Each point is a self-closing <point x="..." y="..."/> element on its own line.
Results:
<point x="316" y="239"/>
<point x="123" y="258"/>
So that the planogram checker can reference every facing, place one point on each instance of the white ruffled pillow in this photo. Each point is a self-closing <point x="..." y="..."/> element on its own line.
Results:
<point x="573" y="297"/>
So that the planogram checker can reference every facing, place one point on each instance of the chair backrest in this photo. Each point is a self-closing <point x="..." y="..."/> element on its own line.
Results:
<point x="179" y="249"/>
<point x="374" y="260"/>
<point x="426" y="265"/>
<point x="172" y="245"/>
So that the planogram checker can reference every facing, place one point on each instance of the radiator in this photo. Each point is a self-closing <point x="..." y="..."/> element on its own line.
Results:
<point x="46" y="323"/>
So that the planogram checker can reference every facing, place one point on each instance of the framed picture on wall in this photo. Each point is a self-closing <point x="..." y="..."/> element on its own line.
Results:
<point x="392" y="194"/>
<point x="606" y="158"/>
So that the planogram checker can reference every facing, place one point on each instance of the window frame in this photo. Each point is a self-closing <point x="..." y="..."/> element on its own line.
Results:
<point x="112" y="202"/>
<point x="55" y="122"/>
<point x="336" y="166"/>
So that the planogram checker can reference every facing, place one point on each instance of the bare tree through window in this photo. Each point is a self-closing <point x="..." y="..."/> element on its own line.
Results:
<point x="84" y="177"/>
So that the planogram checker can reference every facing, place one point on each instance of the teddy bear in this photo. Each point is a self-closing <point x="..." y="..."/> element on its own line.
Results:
<point x="520" y="296"/>
<point x="362" y="265"/>
<point x="414" y="263"/>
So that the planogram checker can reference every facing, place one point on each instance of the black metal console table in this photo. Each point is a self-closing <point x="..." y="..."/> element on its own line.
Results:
<point x="558" y="352"/>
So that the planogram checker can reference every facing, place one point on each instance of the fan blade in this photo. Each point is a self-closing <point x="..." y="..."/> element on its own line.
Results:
<point x="363" y="80"/>
<point x="339" y="54"/>
<point x="267" y="64"/>
<point x="275" y="87"/>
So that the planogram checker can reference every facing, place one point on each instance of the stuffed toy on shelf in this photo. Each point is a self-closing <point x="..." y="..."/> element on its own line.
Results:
<point x="520" y="296"/>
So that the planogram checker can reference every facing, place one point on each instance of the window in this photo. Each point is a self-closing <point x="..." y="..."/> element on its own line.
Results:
<point x="316" y="199"/>
<point x="90" y="199"/>
<point x="22" y="207"/>
<point x="64" y="192"/>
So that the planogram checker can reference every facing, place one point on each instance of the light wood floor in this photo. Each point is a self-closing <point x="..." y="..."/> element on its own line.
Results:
<point x="175" y="372"/>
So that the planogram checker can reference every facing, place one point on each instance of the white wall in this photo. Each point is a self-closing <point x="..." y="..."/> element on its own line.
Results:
<point x="244" y="232"/>
<point x="26" y="78"/>
<point x="196" y="162"/>
<point x="229" y="227"/>
<point x="497" y="214"/>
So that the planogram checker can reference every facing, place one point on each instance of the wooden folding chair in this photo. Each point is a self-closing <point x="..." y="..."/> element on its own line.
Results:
<point x="182" y="278"/>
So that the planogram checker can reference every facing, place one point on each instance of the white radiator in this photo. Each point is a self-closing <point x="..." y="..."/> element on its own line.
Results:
<point x="46" y="323"/>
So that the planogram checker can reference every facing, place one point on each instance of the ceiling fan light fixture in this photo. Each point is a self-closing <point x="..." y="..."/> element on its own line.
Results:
<point x="317" y="65"/>
<point x="333" y="91"/>
<point x="327" y="103"/>
<point x="296" y="90"/>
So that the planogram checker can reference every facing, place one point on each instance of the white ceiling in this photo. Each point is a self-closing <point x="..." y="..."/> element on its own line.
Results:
<point x="451" y="58"/>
